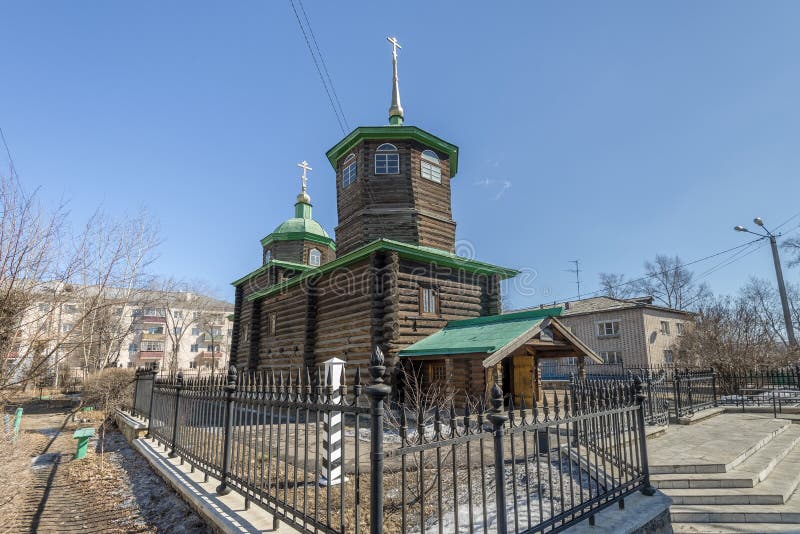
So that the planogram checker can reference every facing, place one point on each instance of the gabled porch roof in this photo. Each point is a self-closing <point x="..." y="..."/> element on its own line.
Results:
<point x="498" y="336"/>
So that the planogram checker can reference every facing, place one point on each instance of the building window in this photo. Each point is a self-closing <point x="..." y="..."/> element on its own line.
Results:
<point x="44" y="308"/>
<point x="272" y="324"/>
<point x="428" y="301"/>
<point x="196" y="315"/>
<point x="349" y="172"/>
<point x="177" y="314"/>
<point x="679" y="328"/>
<point x="66" y="327"/>
<point x="438" y="372"/>
<point x="314" y="257"/>
<point x="136" y="312"/>
<point x="193" y="348"/>
<point x="611" y="356"/>
<point x="155" y="330"/>
<point x="665" y="327"/>
<point x="132" y="347"/>
<point x="195" y="331"/>
<point x="429" y="166"/>
<point x="267" y="255"/>
<point x="118" y="312"/>
<point x="177" y="331"/>
<point x="668" y="357"/>
<point x="607" y="328"/>
<point x="70" y="308"/>
<point x="192" y="365"/>
<point x="387" y="160"/>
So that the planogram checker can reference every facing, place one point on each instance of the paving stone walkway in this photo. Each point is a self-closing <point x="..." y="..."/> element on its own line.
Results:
<point x="71" y="496"/>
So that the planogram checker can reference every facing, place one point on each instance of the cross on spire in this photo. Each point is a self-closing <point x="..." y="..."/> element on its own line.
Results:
<point x="304" y="178"/>
<point x="395" y="110"/>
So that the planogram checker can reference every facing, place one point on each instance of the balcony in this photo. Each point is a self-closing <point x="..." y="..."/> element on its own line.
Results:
<point x="151" y="354"/>
<point x="151" y="319"/>
<point x="152" y="337"/>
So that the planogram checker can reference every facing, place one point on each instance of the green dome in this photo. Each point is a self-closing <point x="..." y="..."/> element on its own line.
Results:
<point x="299" y="224"/>
<point x="301" y="227"/>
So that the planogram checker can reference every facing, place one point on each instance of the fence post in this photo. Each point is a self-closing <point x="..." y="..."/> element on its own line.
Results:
<point x="498" y="419"/>
<point x="377" y="392"/>
<point x="230" y="389"/>
<point x="178" y="387"/>
<point x="137" y="375"/>
<point x="647" y="488"/>
<point x="676" y="383"/>
<point x="332" y="426"/>
<point x="714" y="385"/>
<point x="153" y="373"/>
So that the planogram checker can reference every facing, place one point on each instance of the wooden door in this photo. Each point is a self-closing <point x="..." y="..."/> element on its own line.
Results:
<point x="523" y="379"/>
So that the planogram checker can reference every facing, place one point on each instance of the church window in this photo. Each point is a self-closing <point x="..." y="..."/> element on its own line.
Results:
<point x="349" y="172"/>
<point x="428" y="301"/>
<point x="314" y="257"/>
<point x="272" y="325"/>
<point x="267" y="256"/>
<point x="387" y="160"/>
<point x="438" y="373"/>
<point x="429" y="166"/>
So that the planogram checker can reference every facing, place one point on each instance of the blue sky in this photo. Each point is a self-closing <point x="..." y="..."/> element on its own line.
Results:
<point x="604" y="131"/>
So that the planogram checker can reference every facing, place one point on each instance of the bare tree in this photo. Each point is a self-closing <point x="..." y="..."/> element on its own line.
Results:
<point x="671" y="283"/>
<point x="54" y="282"/>
<point x="736" y="333"/>
<point x="792" y="245"/>
<point x="615" y="286"/>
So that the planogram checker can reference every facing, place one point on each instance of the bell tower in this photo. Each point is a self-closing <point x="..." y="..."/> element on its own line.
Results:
<point x="393" y="182"/>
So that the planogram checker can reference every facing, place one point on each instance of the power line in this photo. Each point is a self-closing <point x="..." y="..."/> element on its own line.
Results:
<point x="629" y="282"/>
<point x="319" y="71"/>
<point x="324" y="65"/>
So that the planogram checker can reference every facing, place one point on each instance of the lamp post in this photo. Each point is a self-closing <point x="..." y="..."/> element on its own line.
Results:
<point x="778" y="274"/>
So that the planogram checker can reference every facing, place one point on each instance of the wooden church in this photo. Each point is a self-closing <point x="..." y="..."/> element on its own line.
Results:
<point x="390" y="277"/>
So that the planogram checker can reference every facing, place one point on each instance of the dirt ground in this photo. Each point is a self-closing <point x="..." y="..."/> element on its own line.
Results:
<point x="119" y="494"/>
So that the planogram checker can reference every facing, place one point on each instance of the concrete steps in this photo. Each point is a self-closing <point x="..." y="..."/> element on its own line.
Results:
<point x="732" y="474"/>
<point x="748" y="474"/>
<point x="713" y="446"/>
<point x="776" y="489"/>
<point x="735" y="528"/>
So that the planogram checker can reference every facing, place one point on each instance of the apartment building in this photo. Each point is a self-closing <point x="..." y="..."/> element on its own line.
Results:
<point x="70" y="330"/>
<point x="630" y="331"/>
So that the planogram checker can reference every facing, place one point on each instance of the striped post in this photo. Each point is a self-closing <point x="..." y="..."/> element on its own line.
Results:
<point x="332" y="426"/>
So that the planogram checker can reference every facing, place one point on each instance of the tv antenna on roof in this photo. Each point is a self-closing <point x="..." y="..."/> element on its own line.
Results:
<point x="577" y="270"/>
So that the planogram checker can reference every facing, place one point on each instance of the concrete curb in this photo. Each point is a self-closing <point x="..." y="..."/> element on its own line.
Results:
<point x="642" y="514"/>
<point x="224" y="514"/>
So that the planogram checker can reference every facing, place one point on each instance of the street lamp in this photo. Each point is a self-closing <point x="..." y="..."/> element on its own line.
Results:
<point x="778" y="274"/>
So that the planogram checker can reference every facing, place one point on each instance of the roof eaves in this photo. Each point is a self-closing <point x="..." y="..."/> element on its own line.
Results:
<point x="405" y="250"/>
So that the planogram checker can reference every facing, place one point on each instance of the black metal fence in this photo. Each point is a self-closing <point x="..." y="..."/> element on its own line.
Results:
<point x="143" y="392"/>
<point x="334" y="460"/>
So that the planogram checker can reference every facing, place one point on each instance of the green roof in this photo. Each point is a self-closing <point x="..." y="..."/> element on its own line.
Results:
<point x="388" y="133"/>
<point x="276" y="263"/>
<point x="479" y="335"/>
<point x="301" y="227"/>
<point x="405" y="250"/>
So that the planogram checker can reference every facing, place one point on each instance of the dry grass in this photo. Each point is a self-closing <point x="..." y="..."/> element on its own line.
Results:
<point x="15" y="472"/>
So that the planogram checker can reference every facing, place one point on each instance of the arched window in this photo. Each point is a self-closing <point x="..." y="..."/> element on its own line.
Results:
<point x="349" y="171"/>
<point x="429" y="166"/>
<point x="387" y="160"/>
<point x="314" y="257"/>
<point x="267" y="255"/>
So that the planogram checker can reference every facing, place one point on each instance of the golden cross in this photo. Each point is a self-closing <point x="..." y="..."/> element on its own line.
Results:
<point x="305" y="168"/>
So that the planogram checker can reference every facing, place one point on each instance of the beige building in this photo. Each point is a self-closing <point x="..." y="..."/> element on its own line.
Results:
<point x="71" y="330"/>
<point x="631" y="331"/>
